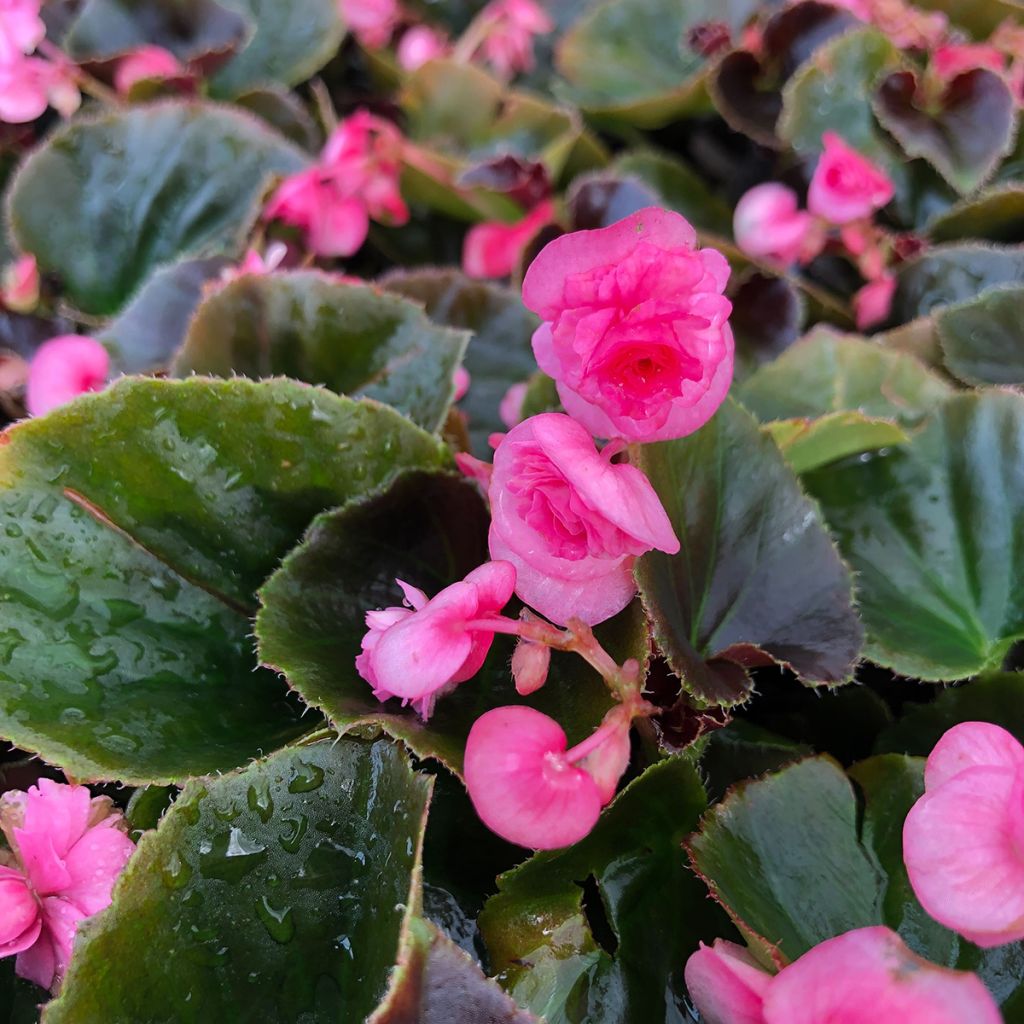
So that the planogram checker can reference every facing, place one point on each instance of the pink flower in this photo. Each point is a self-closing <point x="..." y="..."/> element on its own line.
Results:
<point x="963" y="841"/>
<point x="528" y="788"/>
<point x="21" y="28"/>
<point x="28" y="85"/>
<point x="66" y="851"/>
<point x="636" y="331"/>
<point x="846" y="186"/>
<point x="769" y="224"/>
<point x="372" y="21"/>
<point x="420" y="45"/>
<point x="147" y="62"/>
<point x="356" y="179"/>
<point x="873" y="303"/>
<point x="506" y="29"/>
<point x="954" y="59"/>
<point x="419" y="652"/>
<point x="866" y="976"/>
<point x="461" y="379"/>
<point x="510" y="410"/>
<point x="256" y="264"/>
<point x="493" y="249"/>
<point x="905" y="24"/>
<point x="571" y="521"/>
<point x="21" y="285"/>
<point x="64" y="368"/>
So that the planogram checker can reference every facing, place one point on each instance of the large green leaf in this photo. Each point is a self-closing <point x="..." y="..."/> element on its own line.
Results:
<point x="291" y="42"/>
<point x="782" y="855"/>
<point x="811" y="443"/>
<point x="981" y="339"/>
<point x="313" y="327"/>
<point x="273" y="893"/>
<point x="601" y="931"/>
<point x="429" y="530"/>
<point x="932" y="531"/>
<point x="499" y="353"/>
<point x="757" y="580"/>
<point x="140" y="188"/>
<point x="995" y="215"/>
<point x="138" y="524"/>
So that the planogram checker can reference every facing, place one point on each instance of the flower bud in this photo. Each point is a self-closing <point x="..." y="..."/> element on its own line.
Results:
<point x="530" y="663"/>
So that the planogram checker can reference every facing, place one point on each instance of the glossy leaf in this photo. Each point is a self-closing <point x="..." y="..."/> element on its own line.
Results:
<point x="600" y="931"/>
<point x="782" y="855"/>
<point x="995" y="215"/>
<point x="140" y="188"/>
<point x="967" y="138"/>
<point x="290" y="43"/>
<point x="313" y="327"/>
<point x="930" y="530"/>
<point x="429" y="530"/>
<point x="138" y="523"/>
<point x="499" y="352"/>
<point x="275" y="891"/>
<point x="810" y="443"/>
<point x="981" y="338"/>
<point x="708" y="603"/>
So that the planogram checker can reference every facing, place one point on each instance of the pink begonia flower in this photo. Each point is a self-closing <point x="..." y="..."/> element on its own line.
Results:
<point x="493" y="249"/>
<point x="64" y="368"/>
<point x="636" y="331"/>
<point x="865" y="976"/>
<point x="872" y="304"/>
<point x="420" y="45"/>
<point x="527" y="787"/>
<point x="28" y="85"/>
<point x="846" y="186"/>
<point x="769" y="224"/>
<point x="963" y="841"/>
<point x="66" y="850"/>
<point x="147" y="62"/>
<point x="462" y="381"/>
<point x="356" y="179"/>
<point x="570" y="521"/>
<point x="21" y="27"/>
<point x="20" y="291"/>
<point x="419" y="652"/>
<point x="506" y="29"/>
<point x="530" y="663"/>
<point x="510" y="410"/>
<point x="955" y="58"/>
<point x="372" y="22"/>
<point x="904" y="24"/>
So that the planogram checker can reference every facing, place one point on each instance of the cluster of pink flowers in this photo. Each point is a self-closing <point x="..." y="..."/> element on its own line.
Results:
<point x="906" y="25"/>
<point x="355" y="179"/>
<point x="65" y="849"/>
<point x="846" y="191"/>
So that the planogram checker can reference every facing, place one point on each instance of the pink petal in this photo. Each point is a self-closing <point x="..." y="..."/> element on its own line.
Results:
<point x="147" y="62"/>
<point x="726" y="984"/>
<point x="61" y="922"/>
<point x="495" y="584"/>
<point x="511" y="408"/>
<point x="971" y="745"/>
<point x="521" y="785"/>
<point x="38" y="963"/>
<point x="64" y="368"/>
<point x="20" y="919"/>
<point x="58" y="810"/>
<point x="868" y="976"/>
<point x="94" y="864"/>
<point x="339" y="228"/>
<point x="43" y="866"/>
<point x="530" y="662"/>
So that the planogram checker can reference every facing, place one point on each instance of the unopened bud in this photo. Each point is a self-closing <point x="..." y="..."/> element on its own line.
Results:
<point x="530" y="663"/>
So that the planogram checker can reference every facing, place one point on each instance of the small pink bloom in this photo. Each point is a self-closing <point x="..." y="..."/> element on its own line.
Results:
<point x="963" y="841"/>
<point x="64" y="368"/>
<point x="846" y="186"/>
<point x="28" y="85"/>
<point x="636" y="331"/>
<point x="769" y="224"/>
<point x="526" y="786"/>
<point x="477" y="470"/>
<point x="726" y="984"/>
<point x="954" y="59"/>
<point x="493" y="249"/>
<point x="417" y="653"/>
<point x="906" y="25"/>
<point x="21" y="285"/>
<point x="372" y="22"/>
<point x="530" y="662"/>
<point x="21" y="27"/>
<point x="571" y="521"/>
<point x="510" y="411"/>
<point x="873" y="303"/>
<point x="507" y="28"/>
<point x="419" y="45"/>
<point x="147" y="62"/>
<point x="66" y="851"/>
<point x="462" y="380"/>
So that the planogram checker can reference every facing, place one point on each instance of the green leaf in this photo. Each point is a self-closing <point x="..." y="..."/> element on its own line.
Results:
<point x="628" y="60"/>
<point x="968" y="135"/>
<point x="193" y="30"/>
<point x="995" y="215"/>
<point x="809" y="444"/>
<point x="284" y="111"/>
<point x="782" y="855"/>
<point x="141" y="188"/>
<point x="499" y="353"/>
<point x="981" y="339"/>
<point x="980" y="17"/>
<point x="314" y="327"/>
<point x="153" y="325"/>
<point x="429" y="530"/>
<point x="742" y="750"/>
<point x="828" y="373"/>
<point x="708" y="603"/>
<point x="138" y="524"/>
<point x="277" y="892"/>
<point x="292" y="42"/>
<point x="601" y="931"/>
<point x="931" y="533"/>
